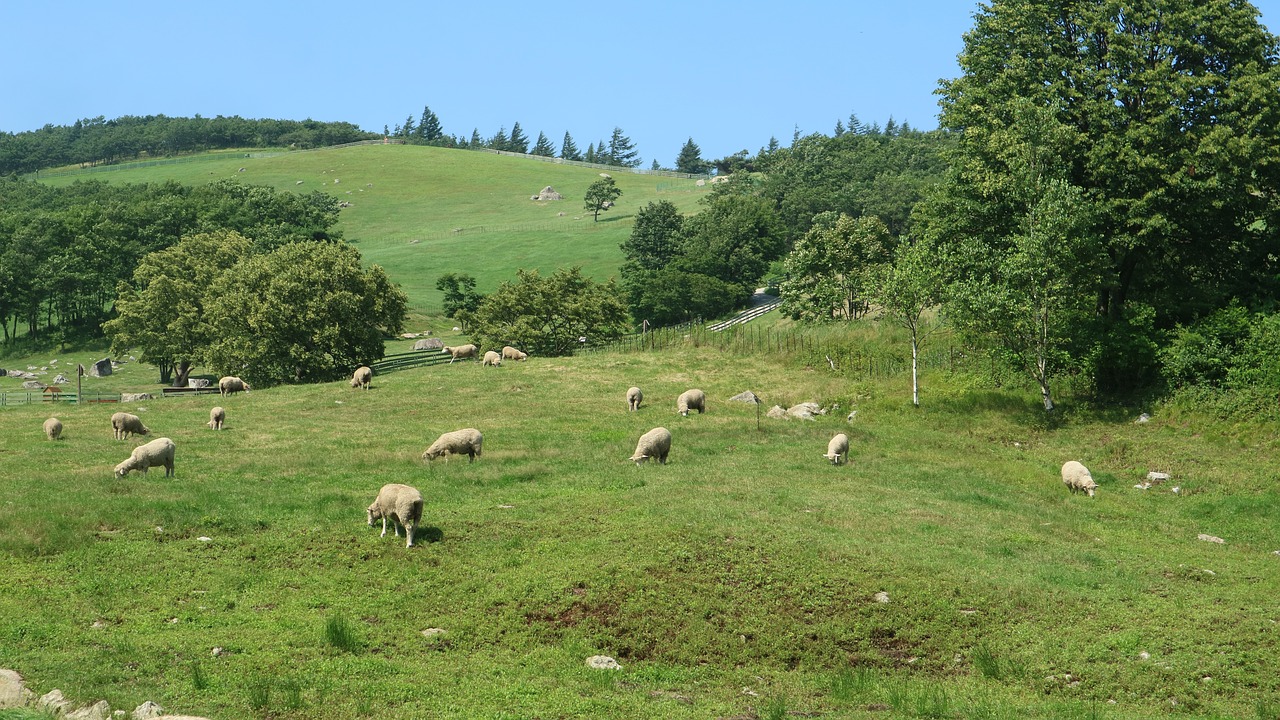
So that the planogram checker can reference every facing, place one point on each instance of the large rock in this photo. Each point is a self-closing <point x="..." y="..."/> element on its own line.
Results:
<point x="60" y="379"/>
<point x="53" y="703"/>
<point x="33" y="385"/>
<point x="429" y="344"/>
<point x="102" y="368"/>
<point x="147" y="711"/>
<point x="97" y="711"/>
<point x="135" y="397"/>
<point x="13" y="692"/>
<point x="777" y="411"/>
<point x="197" y="382"/>
<point x="746" y="397"/>
<point x="804" y="411"/>
<point x="547" y="193"/>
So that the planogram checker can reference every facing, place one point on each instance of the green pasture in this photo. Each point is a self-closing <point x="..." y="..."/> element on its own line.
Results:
<point x="739" y="580"/>
<point x="421" y="212"/>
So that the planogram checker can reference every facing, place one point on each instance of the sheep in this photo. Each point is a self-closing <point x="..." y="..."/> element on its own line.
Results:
<point x="362" y="377"/>
<point x="510" y="353"/>
<point x="691" y="400"/>
<point x="634" y="396"/>
<point x="217" y="416"/>
<point x="459" y="442"/>
<point x="53" y="428"/>
<point x="1076" y="477"/>
<point x="125" y="425"/>
<point x="460" y="352"/>
<point x="837" y="448"/>
<point x="231" y="385"/>
<point x="401" y="503"/>
<point x="492" y="358"/>
<point x="654" y="444"/>
<point x="155" y="453"/>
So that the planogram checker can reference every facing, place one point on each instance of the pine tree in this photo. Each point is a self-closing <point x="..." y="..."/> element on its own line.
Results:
<point x="499" y="141"/>
<point x="568" y="150"/>
<point x="429" y="126"/>
<point x="518" y="142"/>
<point x="622" y="151"/>
<point x="839" y="129"/>
<point x="690" y="159"/>
<point x="591" y="153"/>
<point x="543" y="146"/>
<point x="476" y="142"/>
<point x="855" y="125"/>
<point x="406" y="130"/>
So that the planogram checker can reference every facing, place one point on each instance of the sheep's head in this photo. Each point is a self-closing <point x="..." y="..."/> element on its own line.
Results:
<point x="1089" y="486"/>
<point x="431" y="455"/>
<point x="373" y="513"/>
<point x="639" y="458"/>
<point x="123" y="468"/>
<point x="247" y="387"/>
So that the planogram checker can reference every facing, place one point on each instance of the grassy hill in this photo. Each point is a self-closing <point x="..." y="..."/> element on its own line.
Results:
<point x="421" y="211"/>
<point x="739" y="580"/>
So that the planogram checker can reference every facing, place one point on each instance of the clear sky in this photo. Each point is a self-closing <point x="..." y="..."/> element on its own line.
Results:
<point x="729" y="74"/>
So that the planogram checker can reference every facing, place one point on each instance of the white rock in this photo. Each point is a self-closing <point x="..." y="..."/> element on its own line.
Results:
<point x="100" y="710"/>
<point x="1210" y="538"/>
<point x="749" y="691"/>
<point x="881" y="597"/>
<point x="1155" y="478"/>
<point x="1144" y="655"/>
<point x="204" y="538"/>
<point x="218" y="652"/>
<point x="1175" y="489"/>
<point x="13" y="693"/>
<point x="432" y="632"/>
<point x="1143" y="418"/>
<point x="1142" y="486"/>
<point x="147" y="711"/>
<point x="603" y="662"/>
<point x="54" y="703"/>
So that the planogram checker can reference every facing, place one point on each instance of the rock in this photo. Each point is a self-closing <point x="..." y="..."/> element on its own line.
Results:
<point x="1143" y="418"/>
<point x="218" y="652"/>
<point x="97" y="711"/>
<point x="197" y="382"/>
<point x="547" y="193"/>
<point x="205" y="538"/>
<point x="53" y="703"/>
<point x="746" y="396"/>
<point x="102" y="368"/>
<point x="60" y="379"/>
<point x="804" y="411"/>
<point x="701" y="183"/>
<point x="881" y="597"/>
<point x="13" y="692"/>
<point x="851" y="416"/>
<point x="33" y="385"/>
<point x="16" y="373"/>
<point x="605" y="175"/>
<point x="432" y="632"/>
<point x="1144" y="655"/>
<point x="135" y="397"/>
<point x="603" y="662"/>
<point x="1210" y="538"/>
<point x="1155" y="478"/>
<point x="777" y="411"/>
<point x="429" y="344"/>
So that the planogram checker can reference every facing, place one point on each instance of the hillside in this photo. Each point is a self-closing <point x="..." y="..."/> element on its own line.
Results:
<point x="422" y="211"/>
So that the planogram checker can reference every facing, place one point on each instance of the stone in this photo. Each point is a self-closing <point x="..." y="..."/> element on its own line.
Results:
<point x="97" y="711"/>
<point x="603" y="662"/>
<point x="1143" y="418"/>
<point x="429" y="344"/>
<point x="432" y="632"/>
<point x="53" y="703"/>
<point x="1155" y="478"/>
<point x="746" y="396"/>
<point x="135" y="397"/>
<point x="777" y="411"/>
<point x="197" y="382"/>
<point x="16" y="373"/>
<point x="102" y="368"/>
<point x="804" y="411"/>
<point x="13" y="692"/>
<point x="1210" y="538"/>
<point x="881" y="597"/>
<point x="60" y="379"/>
<point x="33" y="385"/>
<point x="547" y="193"/>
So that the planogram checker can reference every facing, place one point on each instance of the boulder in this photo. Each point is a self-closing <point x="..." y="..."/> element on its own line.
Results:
<point x="547" y="193"/>
<point x="13" y="692"/>
<point x="135" y="397"/>
<point x="33" y="385"/>
<point x="53" y="703"/>
<point x="804" y="411"/>
<point x="197" y="382"/>
<point x="603" y="662"/>
<point x="102" y="368"/>
<point x="147" y="711"/>
<point x="97" y="711"/>
<point x="746" y="396"/>
<point x="16" y="373"/>
<point x="429" y="344"/>
<point x="777" y="411"/>
<point x="60" y="379"/>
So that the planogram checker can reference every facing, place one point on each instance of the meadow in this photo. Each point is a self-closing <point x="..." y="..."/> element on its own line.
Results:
<point x="739" y="580"/>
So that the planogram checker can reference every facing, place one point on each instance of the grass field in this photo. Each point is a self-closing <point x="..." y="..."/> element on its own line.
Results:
<point x="421" y="212"/>
<point x="739" y="580"/>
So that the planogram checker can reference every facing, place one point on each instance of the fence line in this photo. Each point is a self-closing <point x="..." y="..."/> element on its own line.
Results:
<point x="597" y="166"/>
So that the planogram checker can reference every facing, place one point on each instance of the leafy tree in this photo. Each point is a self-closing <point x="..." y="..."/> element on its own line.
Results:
<point x="460" y="296"/>
<point x="690" y="159"/>
<point x="549" y="314"/>
<point x="499" y="141"/>
<point x="591" y="153"/>
<point x="429" y="126"/>
<point x="655" y="237"/>
<point x="162" y="314"/>
<point x="830" y="269"/>
<point x="600" y="196"/>
<point x="671" y="295"/>
<point x="568" y="150"/>
<point x="904" y="290"/>
<point x="622" y="151"/>
<point x="543" y="146"/>
<point x="518" y="142"/>
<point x="476" y="142"/>
<point x="733" y="239"/>
<point x="306" y="311"/>
<point x="409" y="129"/>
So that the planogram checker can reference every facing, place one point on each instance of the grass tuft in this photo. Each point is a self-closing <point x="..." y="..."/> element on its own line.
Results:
<point x="340" y="633"/>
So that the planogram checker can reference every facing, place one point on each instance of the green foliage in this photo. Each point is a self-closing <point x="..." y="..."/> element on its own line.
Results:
<point x="341" y="634"/>
<point x="460" y="296"/>
<point x="543" y="146"/>
<point x="305" y="312"/>
<point x="600" y="196"/>
<point x="655" y="237"/>
<point x="569" y="149"/>
<point x="690" y="159"/>
<point x="621" y="152"/>
<point x="830" y="271"/>
<point x="547" y="315"/>
<point x="518" y="142"/>
<point x="1203" y="352"/>
<point x="734" y="238"/>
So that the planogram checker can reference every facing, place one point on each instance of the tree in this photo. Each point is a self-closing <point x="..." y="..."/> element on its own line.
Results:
<point x="1164" y="106"/>
<point x="307" y="311"/>
<point x="409" y="129"/>
<point x="460" y="296"/>
<point x="830" y="269"/>
<point x="162" y="314"/>
<point x="518" y="142"/>
<point x="476" y="142"/>
<point x="655" y="237"/>
<point x="548" y="315"/>
<point x="622" y="151"/>
<point x="568" y="150"/>
<point x="733" y="238"/>
<point x="600" y="196"/>
<point x="429" y="126"/>
<point x="904" y="290"/>
<point x="543" y="146"/>
<point x="591" y="153"/>
<point x="690" y="159"/>
<point x="499" y="141"/>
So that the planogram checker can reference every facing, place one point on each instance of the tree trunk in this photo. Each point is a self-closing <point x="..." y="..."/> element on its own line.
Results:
<point x="166" y="371"/>
<point x="915" y="384"/>
<point x="183" y="372"/>
<point x="1043" y="378"/>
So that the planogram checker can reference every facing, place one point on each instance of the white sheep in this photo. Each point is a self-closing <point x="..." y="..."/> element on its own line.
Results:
<point x="460" y="352"/>
<point x="691" y="400"/>
<point x="362" y="377"/>
<point x="154" y="454"/>
<point x="459" y="442"/>
<point x="634" y="396"/>
<point x="402" y="504"/>
<point x="492" y="358"/>
<point x="837" y="448"/>
<point x="510" y="353"/>
<point x="125" y="425"/>
<point x="654" y="444"/>
<point x="1076" y="477"/>
<point x="53" y="428"/>
<point x="217" y="416"/>
<point x="231" y="385"/>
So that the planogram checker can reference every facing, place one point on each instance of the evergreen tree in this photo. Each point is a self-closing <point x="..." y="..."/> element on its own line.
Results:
<point x="591" y="153"/>
<point x="499" y="141"/>
<point x="568" y="150"/>
<point x="476" y="143"/>
<point x="518" y="142"/>
<point x="690" y="159"/>
<point x="429" y="126"/>
<point x="655" y="165"/>
<point x="543" y="146"/>
<point x="622" y="151"/>
<point x="855" y="125"/>
<point x="839" y="129"/>
<point x="407" y="129"/>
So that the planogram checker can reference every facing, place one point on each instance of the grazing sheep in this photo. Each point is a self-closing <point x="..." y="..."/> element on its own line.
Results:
<point x="492" y="358"/>
<point x="362" y="377"/>
<point x="231" y="385"/>
<point x="154" y="454"/>
<point x="1076" y="477"/>
<point x="634" y="396"/>
<point x="837" y="448"/>
<point x="217" y="416"/>
<point x="125" y="425"/>
<point x="654" y="444"/>
<point x="691" y="400"/>
<point x="461" y="352"/>
<point x="459" y="442"/>
<point x="510" y="353"/>
<point x="401" y="503"/>
<point x="53" y="428"/>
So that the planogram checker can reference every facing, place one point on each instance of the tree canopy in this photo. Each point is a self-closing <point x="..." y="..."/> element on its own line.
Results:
<point x="600" y="196"/>
<point x="548" y="315"/>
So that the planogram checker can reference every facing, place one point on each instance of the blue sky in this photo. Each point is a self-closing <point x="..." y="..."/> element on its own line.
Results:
<point x="728" y="74"/>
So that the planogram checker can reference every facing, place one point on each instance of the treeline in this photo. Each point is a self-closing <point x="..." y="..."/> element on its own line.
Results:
<point x="94" y="141"/>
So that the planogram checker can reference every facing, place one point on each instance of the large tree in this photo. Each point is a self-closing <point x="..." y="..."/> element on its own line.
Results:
<point x="829" y="270"/>
<point x="690" y="159"/>
<point x="543" y="146"/>
<point x="621" y="150"/>
<point x="600" y="196"/>
<point x="569" y="149"/>
<point x="518" y="142"/>
<point x="549" y="315"/>
<point x="1168" y="110"/>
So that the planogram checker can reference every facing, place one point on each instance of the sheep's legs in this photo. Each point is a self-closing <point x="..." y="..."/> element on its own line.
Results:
<point x="384" y="528"/>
